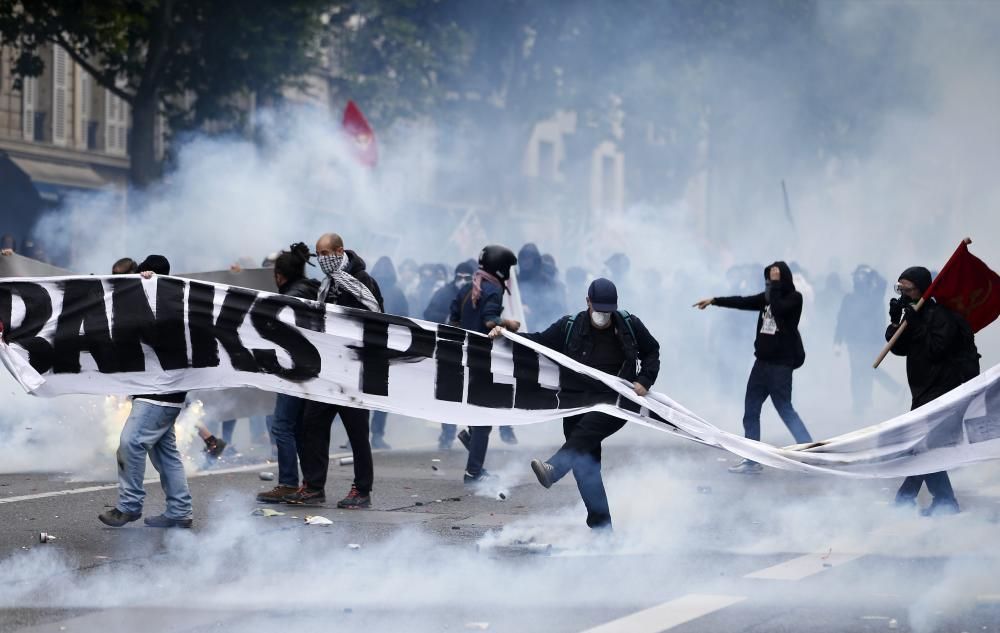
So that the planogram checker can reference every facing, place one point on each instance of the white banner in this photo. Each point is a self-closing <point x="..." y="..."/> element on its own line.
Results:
<point x="125" y="335"/>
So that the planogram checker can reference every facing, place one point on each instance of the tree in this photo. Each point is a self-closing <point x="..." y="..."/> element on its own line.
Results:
<point x="156" y="54"/>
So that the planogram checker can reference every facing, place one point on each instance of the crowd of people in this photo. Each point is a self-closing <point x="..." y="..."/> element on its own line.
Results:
<point x="938" y="345"/>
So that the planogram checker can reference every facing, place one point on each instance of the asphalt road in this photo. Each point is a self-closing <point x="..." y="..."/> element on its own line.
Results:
<point x="695" y="549"/>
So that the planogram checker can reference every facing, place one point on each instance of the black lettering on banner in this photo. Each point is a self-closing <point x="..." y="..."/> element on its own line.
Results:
<point x="449" y="382"/>
<point x="82" y="308"/>
<point x="206" y="333"/>
<point x="483" y="391"/>
<point x="528" y="392"/>
<point x="134" y="323"/>
<point x="38" y="311"/>
<point x="306" y="360"/>
<point x="375" y="354"/>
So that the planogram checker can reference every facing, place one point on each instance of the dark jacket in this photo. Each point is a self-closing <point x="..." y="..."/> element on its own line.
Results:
<point x="475" y="317"/>
<point x="642" y="352"/>
<point x="779" y="306"/>
<point x="303" y="288"/>
<point x="395" y="301"/>
<point x="356" y="268"/>
<point x="940" y="352"/>
<point x="440" y="305"/>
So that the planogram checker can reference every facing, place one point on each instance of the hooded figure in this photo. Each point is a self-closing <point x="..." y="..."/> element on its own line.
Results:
<point x="543" y="297"/>
<point x="395" y="302"/>
<point x="440" y="304"/>
<point x="779" y="351"/>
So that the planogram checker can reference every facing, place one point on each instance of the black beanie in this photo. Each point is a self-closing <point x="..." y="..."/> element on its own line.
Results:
<point x="155" y="263"/>
<point x="918" y="276"/>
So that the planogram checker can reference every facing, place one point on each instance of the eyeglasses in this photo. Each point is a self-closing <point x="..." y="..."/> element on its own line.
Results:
<point x="901" y="289"/>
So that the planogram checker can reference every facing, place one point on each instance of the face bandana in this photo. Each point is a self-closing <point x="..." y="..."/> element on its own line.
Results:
<point x="600" y="319"/>
<point x="330" y="264"/>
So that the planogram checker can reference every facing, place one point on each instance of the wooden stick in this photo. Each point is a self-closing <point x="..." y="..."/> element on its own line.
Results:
<point x="895" y="337"/>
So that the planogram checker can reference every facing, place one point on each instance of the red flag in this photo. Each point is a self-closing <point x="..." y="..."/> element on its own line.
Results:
<point x="969" y="287"/>
<point x="356" y="126"/>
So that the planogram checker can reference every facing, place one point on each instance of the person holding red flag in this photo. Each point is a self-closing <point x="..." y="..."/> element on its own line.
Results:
<point x="941" y="354"/>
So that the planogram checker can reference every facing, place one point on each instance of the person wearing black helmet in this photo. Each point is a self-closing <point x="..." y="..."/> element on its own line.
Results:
<point x="941" y="354"/>
<point x="478" y="307"/>
<point x="612" y="341"/>
<point x="778" y="350"/>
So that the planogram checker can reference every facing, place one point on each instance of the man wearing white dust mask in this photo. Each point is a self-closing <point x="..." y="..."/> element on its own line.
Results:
<point x="612" y="341"/>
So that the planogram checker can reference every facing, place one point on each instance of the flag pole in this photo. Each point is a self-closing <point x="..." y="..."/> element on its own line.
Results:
<point x="902" y="326"/>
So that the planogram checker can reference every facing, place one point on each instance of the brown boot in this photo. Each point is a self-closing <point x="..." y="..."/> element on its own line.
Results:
<point x="276" y="494"/>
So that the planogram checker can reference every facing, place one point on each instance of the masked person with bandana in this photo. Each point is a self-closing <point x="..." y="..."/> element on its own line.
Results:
<point x="477" y="307"/>
<point x="778" y="350"/>
<point x="941" y="354"/>
<point x="345" y="284"/>
<point x="617" y="343"/>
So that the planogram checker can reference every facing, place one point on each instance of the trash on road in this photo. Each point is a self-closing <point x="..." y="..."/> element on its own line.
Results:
<point x="436" y="460"/>
<point x="346" y="461"/>
<point x="318" y="520"/>
<point x="893" y="624"/>
<point x="502" y="496"/>
<point x="265" y="476"/>
<point x="353" y="546"/>
<point x="266" y="512"/>
<point x="45" y="537"/>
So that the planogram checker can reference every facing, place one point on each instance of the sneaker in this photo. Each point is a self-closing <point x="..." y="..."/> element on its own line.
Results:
<point x="306" y="496"/>
<point x="355" y="500"/>
<point x="747" y="467"/>
<point x="940" y="507"/>
<point x="379" y="442"/>
<point x="162" y="521"/>
<point x="276" y="494"/>
<point x="483" y="475"/>
<point x="464" y="437"/>
<point x="507" y="435"/>
<point x="543" y="470"/>
<point x="116" y="518"/>
<point x="214" y="446"/>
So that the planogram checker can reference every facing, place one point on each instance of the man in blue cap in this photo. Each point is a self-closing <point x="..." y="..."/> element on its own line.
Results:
<point x="617" y="343"/>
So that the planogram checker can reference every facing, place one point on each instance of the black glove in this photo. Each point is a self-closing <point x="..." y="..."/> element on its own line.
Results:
<point x="895" y="310"/>
<point x="912" y="314"/>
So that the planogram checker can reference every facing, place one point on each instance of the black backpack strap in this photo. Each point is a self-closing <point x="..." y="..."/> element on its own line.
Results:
<point x="628" y="321"/>
<point x="569" y="330"/>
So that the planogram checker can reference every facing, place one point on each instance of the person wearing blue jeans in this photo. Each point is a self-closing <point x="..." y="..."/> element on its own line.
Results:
<point x="779" y="352"/>
<point x="149" y="431"/>
<point x="287" y="414"/>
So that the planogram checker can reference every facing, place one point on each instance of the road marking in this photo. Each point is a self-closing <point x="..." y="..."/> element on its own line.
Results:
<point x="200" y="473"/>
<point x="803" y="566"/>
<point x="669" y="614"/>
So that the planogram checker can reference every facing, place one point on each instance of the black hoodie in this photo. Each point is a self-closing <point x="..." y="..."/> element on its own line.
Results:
<point x="356" y="268"/>
<point x="780" y="307"/>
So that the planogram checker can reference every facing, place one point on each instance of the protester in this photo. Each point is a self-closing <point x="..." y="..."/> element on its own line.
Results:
<point x="543" y="298"/>
<point x="8" y="244"/>
<point x="125" y="266"/>
<point x="941" y="354"/>
<point x="612" y="341"/>
<point x="384" y="274"/>
<point x="778" y="350"/>
<point x="478" y="307"/>
<point x="291" y="281"/>
<point x="438" y="311"/>
<point x="149" y="431"/>
<point x="859" y="329"/>
<point x="346" y="284"/>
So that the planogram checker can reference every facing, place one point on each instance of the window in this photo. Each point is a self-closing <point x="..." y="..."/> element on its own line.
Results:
<point x="60" y="94"/>
<point x="29" y="98"/>
<point x="115" y="124"/>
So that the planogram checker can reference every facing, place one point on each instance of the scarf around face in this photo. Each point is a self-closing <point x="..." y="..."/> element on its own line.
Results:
<point x="339" y="280"/>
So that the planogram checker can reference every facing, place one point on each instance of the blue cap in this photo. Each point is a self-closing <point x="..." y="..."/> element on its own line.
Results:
<point x="603" y="295"/>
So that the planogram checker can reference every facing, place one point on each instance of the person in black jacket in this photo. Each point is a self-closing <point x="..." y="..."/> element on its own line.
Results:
<point x="616" y="343"/>
<point x="941" y="354"/>
<point x="291" y="281"/>
<point x="778" y="350"/>
<point x="346" y="284"/>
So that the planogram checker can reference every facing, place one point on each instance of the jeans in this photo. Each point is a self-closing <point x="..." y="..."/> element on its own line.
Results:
<point x="312" y="441"/>
<point x="768" y="379"/>
<point x="479" y="441"/>
<point x="938" y="484"/>
<point x="149" y="430"/>
<point x="287" y="416"/>
<point x="378" y="423"/>
<point x="448" y="433"/>
<point x="581" y="453"/>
